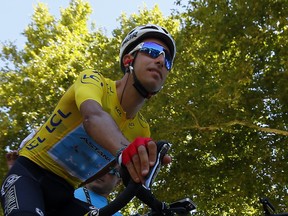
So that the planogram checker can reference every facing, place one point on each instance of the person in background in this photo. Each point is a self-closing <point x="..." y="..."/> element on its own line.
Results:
<point x="11" y="158"/>
<point x="98" y="191"/>
<point x="95" y="192"/>
<point x="96" y="124"/>
<point x="12" y="155"/>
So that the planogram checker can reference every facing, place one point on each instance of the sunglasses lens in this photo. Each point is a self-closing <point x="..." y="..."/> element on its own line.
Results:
<point x="154" y="50"/>
<point x="168" y="61"/>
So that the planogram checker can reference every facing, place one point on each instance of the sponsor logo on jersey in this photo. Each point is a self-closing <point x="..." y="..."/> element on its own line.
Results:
<point x="10" y="180"/>
<point x="91" y="78"/>
<point x="55" y="120"/>
<point x="11" y="202"/>
<point x="39" y="211"/>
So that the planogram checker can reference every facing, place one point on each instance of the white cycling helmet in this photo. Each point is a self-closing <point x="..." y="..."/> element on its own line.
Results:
<point x="138" y="34"/>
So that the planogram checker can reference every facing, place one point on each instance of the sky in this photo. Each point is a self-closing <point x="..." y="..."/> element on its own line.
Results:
<point x="15" y="15"/>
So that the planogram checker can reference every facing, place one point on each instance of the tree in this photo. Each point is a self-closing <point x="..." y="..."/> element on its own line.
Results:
<point x="226" y="108"/>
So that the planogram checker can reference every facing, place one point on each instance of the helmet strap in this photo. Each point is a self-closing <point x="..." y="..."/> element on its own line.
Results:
<point x="137" y="84"/>
<point x="124" y="90"/>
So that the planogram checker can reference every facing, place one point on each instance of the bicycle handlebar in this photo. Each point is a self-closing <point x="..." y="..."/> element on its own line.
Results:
<point x="136" y="189"/>
<point x="133" y="189"/>
<point x="121" y="200"/>
<point x="144" y="193"/>
<point x="180" y="207"/>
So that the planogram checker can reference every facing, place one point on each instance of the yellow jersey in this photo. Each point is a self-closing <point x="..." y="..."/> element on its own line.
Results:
<point x="62" y="146"/>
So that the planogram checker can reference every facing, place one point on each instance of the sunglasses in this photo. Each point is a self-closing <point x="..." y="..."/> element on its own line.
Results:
<point x="114" y="171"/>
<point x="154" y="50"/>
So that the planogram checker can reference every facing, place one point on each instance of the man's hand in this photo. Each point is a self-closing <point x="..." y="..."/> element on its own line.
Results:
<point x="139" y="156"/>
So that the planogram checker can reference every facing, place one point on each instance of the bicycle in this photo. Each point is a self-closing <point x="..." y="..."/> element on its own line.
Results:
<point x="143" y="193"/>
<point x="269" y="209"/>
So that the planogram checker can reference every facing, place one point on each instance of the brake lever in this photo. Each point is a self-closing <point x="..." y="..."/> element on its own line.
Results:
<point x="183" y="206"/>
<point x="162" y="149"/>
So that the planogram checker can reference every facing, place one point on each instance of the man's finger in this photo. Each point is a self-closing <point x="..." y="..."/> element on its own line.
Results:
<point x="132" y="172"/>
<point x="152" y="150"/>
<point x="166" y="160"/>
<point x="137" y="165"/>
<point x="144" y="160"/>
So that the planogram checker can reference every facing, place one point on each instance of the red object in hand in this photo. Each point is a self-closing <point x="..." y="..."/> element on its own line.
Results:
<point x="132" y="149"/>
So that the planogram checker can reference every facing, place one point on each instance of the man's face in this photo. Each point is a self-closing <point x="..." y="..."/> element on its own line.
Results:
<point x="151" y="72"/>
<point x="105" y="184"/>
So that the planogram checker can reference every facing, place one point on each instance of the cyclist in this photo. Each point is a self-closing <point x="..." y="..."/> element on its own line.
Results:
<point x="95" y="121"/>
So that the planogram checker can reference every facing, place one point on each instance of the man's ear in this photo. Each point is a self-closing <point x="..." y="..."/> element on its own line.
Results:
<point x="127" y="60"/>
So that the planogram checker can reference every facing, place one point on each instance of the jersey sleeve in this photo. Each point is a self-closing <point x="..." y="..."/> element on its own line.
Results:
<point x="90" y="85"/>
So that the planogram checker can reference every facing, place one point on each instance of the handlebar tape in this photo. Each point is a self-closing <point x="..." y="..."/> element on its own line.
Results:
<point x="130" y="191"/>
<point x="146" y="196"/>
<point x="120" y="201"/>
